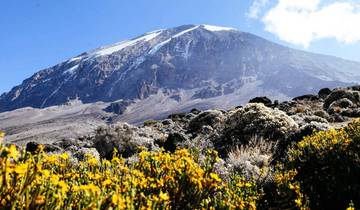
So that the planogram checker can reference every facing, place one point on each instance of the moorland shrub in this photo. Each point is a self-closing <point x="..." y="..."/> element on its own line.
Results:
<point x="322" y="171"/>
<point x="157" y="180"/>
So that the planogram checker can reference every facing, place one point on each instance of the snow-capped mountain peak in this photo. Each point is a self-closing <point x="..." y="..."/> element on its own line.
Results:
<point x="216" y="28"/>
<point x="108" y="50"/>
<point x="203" y="65"/>
<point x="113" y="48"/>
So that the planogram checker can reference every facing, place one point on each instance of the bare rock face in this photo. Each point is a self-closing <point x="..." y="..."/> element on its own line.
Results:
<point x="118" y="107"/>
<point x="53" y="124"/>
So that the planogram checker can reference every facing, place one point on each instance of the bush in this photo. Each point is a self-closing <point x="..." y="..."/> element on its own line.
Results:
<point x="300" y="110"/>
<point x="253" y="160"/>
<point x="150" y="122"/>
<point x="2" y="135"/>
<point x="157" y="180"/>
<point x="212" y="118"/>
<point x="325" y="168"/>
<point x="125" y="139"/>
<point x="260" y="120"/>
<point x="254" y="119"/>
<point x="353" y="96"/>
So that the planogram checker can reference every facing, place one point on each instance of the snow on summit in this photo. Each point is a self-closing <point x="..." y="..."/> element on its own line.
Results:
<point x="108" y="50"/>
<point x="158" y="46"/>
<point x="71" y="70"/>
<point x="124" y="44"/>
<point x="217" y="28"/>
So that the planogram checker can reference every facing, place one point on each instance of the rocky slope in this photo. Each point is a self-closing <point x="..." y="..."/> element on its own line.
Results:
<point x="270" y="119"/>
<point x="261" y="142"/>
<point x="53" y="123"/>
<point x="180" y="68"/>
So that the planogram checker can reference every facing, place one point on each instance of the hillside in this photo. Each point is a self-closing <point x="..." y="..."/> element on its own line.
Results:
<point x="328" y="108"/>
<point x="265" y="155"/>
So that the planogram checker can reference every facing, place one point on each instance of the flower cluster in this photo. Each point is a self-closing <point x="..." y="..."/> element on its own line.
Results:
<point x="156" y="180"/>
<point x="2" y="135"/>
<point x="322" y="171"/>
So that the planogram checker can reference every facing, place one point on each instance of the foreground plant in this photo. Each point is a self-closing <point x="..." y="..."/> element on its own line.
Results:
<point x="322" y="171"/>
<point x="156" y="180"/>
<point x="2" y="135"/>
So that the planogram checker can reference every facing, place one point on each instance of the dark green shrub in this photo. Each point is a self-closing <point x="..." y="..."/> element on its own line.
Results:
<point x="325" y="168"/>
<point x="150" y="122"/>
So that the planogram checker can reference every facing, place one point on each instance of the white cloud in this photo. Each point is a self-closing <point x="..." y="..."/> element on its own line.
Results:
<point x="303" y="21"/>
<point x="256" y="8"/>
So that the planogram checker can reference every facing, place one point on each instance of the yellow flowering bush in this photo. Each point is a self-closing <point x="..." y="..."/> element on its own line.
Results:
<point x="156" y="180"/>
<point x="322" y="170"/>
<point x="2" y="135"/>
<point x="286" y="194"/>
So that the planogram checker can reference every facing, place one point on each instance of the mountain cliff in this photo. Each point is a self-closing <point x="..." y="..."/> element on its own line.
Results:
<point x="188" y="66"/>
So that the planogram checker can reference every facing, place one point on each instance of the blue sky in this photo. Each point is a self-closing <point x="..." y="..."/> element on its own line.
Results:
<point x="35" y="34"/>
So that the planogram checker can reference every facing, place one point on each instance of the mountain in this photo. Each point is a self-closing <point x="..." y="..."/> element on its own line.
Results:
<point x="186" y="66"/>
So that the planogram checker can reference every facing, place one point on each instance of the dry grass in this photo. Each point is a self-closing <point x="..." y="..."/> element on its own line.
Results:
<point x="253" y="160"/>
<point x="300" y="110"/>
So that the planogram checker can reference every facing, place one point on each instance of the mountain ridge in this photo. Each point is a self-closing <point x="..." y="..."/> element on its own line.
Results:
<point x="202" y="60"/>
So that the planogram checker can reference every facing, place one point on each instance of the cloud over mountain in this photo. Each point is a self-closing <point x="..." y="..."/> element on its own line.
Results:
<point x="256" y="8"/>
<point x="301" y="22"/>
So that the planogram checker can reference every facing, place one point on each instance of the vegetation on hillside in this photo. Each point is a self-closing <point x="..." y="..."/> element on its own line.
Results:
<point x="322" y="171"/>
<point x="319" y="172"/>
<point x="2" y="135"/>
<point x="156" y="180"/>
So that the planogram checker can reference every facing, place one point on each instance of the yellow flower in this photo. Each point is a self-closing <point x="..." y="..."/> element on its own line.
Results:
<point x="115" y="199"/>
<point x="13" y="152"/>
<point x="248" y="184"/>
<point x="106" y="182"/>
<point x="51" y="159"/>
<point x="298" y="202"/>
<point x="2" y="135"/>
<point x="125" y="184"/>
<point x="90" y="188"/>
<point x="215" y="177"/>
<point x="75" y="188"/>
<point x="252" y="205"/>
<point x="116" y="160"/>
<point x="240" y="205"/>
<point x="54" y="179"/>
<point x="64" y="186"/>
<point x="39" y="200"/>
<point x="106" y="163"/>
<point x="64" y="156"/>
<point x="21" y="168"/>
<point x="45" y="173"/>
<point x="41" y="148"/>
<point x="94" y="176"/>
<point x="118" y="201"/>
<point x="92" y="161"/>
<point x="164" y="196"/>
